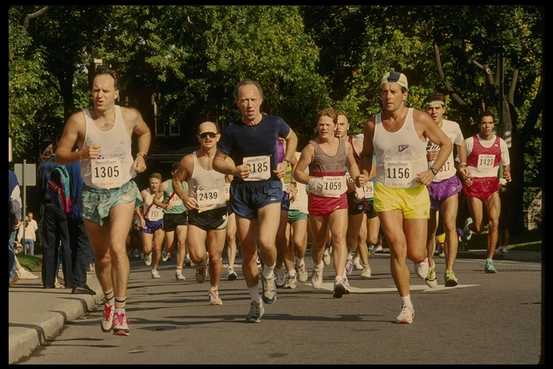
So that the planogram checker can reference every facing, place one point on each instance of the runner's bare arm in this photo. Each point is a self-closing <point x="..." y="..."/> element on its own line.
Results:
<point x="141" y="129"/>
<point x="303" y="162"/>
<point x="183" y="173"/>
<point x="353" y="167"/>
<point x="71" y="134"/>
<point x="224" y="164"/>
<point x="462" y="153"/>
<point x="507" y="173"/>
<point x="366" y="156"/>
<point x="291" y="145"/>
<point x="431" y="130"/>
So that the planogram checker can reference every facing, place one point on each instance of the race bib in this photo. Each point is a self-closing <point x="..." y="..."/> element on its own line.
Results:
<point x="368" y="189"/>
<point x="260" y="167"/>
<point x="105" y="173"/>
<point x="398" y="174"/>
<point x="330" y="186"/>
<point x="155" y="213"/>
<point x="486" y="161"/>
<point x="207" y="199"/>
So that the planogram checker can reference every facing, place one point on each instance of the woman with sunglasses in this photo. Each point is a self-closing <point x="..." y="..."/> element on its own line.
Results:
<point x="207" y="214"/>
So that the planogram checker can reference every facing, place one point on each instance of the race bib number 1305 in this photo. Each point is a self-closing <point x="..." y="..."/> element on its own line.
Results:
<point x="105" y="173"/>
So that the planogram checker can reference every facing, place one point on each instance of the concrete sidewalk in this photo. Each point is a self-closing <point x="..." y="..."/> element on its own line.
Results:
<point x="37" y="315"/>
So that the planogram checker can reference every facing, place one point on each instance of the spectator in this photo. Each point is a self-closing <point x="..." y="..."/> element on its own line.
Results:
<point x="14" y="221"/>
<point x="27" y="234"/>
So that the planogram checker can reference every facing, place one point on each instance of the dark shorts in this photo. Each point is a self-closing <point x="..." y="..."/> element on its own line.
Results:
<point x="152" y="226"/>
<point x="171" y="221"/>
<point x="482" y="188"/>
<point x="439" y="191"/>
<point x="356" y="206"/>
<point x="208" y="220"/>
<point x="248" y="197"/>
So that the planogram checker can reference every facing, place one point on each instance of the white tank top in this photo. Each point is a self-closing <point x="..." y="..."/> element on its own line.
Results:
<point x="114" y="167"/>
<point x="207" y="187"/>
<point x="400" y="155"/>
<point x="151" y="211"/>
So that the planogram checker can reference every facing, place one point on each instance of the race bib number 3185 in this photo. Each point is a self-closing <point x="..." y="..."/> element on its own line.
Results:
<point x="105" y="173"/>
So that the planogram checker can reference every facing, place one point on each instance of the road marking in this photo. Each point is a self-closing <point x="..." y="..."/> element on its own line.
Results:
<point x="416" y="287"/>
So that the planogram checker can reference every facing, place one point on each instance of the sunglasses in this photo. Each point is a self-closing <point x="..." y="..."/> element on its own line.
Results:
<point x="204" y="135"/>
<point x="394" y="76"/>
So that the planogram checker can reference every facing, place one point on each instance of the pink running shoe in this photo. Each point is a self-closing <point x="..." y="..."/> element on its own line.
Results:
<point x="120" y="326"/>
<point x="107" y="318"/>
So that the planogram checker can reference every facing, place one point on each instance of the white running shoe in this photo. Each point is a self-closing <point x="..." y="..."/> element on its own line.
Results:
<point x="317" y="276"/>
<point x="378" y="249"/>
<point x="280" y="277"/>
<point x="214" y="298"/>
<point x="256" y="312"/>
<point x="155" y="274"/>
<point x="291" y="282"/>
<point x="406" y="315"/>
<point x="366" y="272"/>
<point x="467" y="232"/>
<point x="165" y="256"/>
<point x="268" y="286"/>
<point x="357" y="263"/>
<point x="148" y="259"/>
<point x="349" y="265"/>
<point x="422" y="268"/>
<point x="231" y="276"/>
<point x="179" y="276"/>
<point x="302" y="271"/>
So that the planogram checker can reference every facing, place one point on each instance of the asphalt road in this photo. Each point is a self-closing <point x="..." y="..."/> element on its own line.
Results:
<point x="487" y="319"/>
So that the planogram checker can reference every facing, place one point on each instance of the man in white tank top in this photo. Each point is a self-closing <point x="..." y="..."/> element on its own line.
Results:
<point x="398" y="136"/>
<point x="207" y="214"/>
<point x="103" y="135"/>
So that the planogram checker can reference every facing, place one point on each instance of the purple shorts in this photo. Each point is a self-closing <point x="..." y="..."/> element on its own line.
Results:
<point x="152" y="226"/>
<point x="439" y="191"/>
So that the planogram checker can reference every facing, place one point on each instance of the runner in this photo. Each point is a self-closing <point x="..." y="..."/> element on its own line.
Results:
<point x="360" y="207"/>
<point x="443" y="193"/>
<point x="296" y="231"/>
<point x="247" y="151"/>
<point x="175" y="220"/>
<point x="207" y="216"/>
<point x="485" y="151"/>
<point x="151" y="220"/>
<point x="104" y="136"/>
<point x="230" y="238"/>
<point x="397" y="136"/>
<point x="327" y="157"/>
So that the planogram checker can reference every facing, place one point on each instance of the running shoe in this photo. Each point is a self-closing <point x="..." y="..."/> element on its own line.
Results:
<point x="232" y="276"/>
<point x="214" y="298"/>
<point x="269" y="289"/>
<point x="450" y="279"/>
<point x="357" y="263"/>
<point x="431" y="280"/>
<point x="467" y="232"/>
<point x="165" y="255"/>
<point x="489" y="267"/>
<point x="302" y="272"/>
<point x="378" y="249"/>
<point x="406" y="315"/>
<point x="179" y="276"/>
<point x="148" y="259"/>
<point x="120" y="325"/>
<point x="371" y="249"/>
<point x="366" y="272"/>
<point x="256" y="312"/>
<point x="349" y="265"/>
<point x="280" y="274"/>
<point x="501" y="250"/>
<point x="422" y="268"/>
<point x="187" y="260"/>
<point x="326" y="256"/>
<point x="155" y="274"/>
<point x="291" y="282"/>
<point x="317" y="276"/>
<point x="201" y="272"/>
<point x="345" y="283"/>
<point x="107" y="317"/>
<point x="339" y="288"/>
<point x="25" y="274"/>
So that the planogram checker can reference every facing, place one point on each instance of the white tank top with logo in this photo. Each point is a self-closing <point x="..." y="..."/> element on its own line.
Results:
<point x="400" y="155"/>
<point x="151" y="211"/>
<point x="114" y="166"/>
<point x="207" y="187"/>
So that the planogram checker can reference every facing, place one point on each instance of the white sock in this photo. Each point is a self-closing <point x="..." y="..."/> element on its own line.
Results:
<point x="406" y="300"/>
<point x="292" y="273"/>
<point x="268" y="271"/>
<point x="254" y="293"/>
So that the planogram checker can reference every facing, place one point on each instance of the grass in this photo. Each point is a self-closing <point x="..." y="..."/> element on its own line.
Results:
<point x="32" y="263"/>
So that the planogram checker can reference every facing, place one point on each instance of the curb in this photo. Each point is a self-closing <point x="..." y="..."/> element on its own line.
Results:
<point x="24" y="339"/>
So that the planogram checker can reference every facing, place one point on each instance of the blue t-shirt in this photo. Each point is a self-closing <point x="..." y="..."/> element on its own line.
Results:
<point x="240" y="140"/>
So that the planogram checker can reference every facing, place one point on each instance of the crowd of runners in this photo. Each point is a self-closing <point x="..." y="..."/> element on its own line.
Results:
<point x="250" y="185"/>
